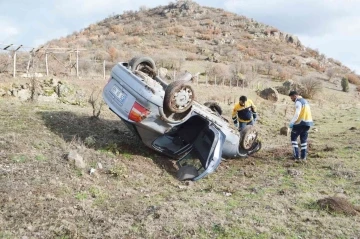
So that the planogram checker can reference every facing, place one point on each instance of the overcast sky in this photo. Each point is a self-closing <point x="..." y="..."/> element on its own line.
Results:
<point x="331" y="26"/>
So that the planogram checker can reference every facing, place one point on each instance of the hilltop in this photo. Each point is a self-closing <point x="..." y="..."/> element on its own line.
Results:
<point x="184" y="32"/>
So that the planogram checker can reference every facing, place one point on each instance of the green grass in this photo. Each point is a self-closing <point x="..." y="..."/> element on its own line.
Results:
<point x="19" y="158"/>
<point x="99" y="196"/>
<point x="245" y="198"/>
<point x="81" y="195"/>
<point x="40" y="157"/>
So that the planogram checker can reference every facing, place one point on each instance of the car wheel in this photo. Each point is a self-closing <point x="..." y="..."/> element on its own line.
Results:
<point x="144" y="64"/>
<point x="179" y="96"/>
<point x="248" y="137"/>
<point x="256" y="147"/>
<point x="215" y="107"/>
<point x="187" y="172"/>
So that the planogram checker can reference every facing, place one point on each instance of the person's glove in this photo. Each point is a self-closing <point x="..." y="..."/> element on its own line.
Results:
<point x="255" y="116"/>
<point x="236" y="125"/>
<point x="291" y="125"/>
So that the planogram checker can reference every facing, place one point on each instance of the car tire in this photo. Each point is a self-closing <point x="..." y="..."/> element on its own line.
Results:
<point x="144" y="64"/>
<point x="215" y="107"/>
<point x="248" y="137"/>
<point x="179" y="96"/>
<point x="256" y="147"/>
<point x="187" y="172"/>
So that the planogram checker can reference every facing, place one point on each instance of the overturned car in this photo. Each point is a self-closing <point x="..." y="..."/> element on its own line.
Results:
<point x="167" y="118"/>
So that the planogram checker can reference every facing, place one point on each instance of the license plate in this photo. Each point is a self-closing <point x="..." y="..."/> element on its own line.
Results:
<point x="119" y="94"/>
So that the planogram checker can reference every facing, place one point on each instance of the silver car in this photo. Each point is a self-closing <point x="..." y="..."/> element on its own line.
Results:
<point x="167" y="118"/>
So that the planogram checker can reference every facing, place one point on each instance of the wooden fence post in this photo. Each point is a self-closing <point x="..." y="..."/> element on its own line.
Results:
<point x="46" y="64"/>
<point x="104" y="70"/>
<point x="14" y="74"/>
<point x="77" y="62"/>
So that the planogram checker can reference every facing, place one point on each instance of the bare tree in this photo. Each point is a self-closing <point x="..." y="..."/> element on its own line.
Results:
<point x="331" y="73"/>
<point x="5" y="61"/>
<point x="311" y="87"/>
<point x="251" y="74"/>
<point x="96" y="103"/>
<point x="268" y="66"/>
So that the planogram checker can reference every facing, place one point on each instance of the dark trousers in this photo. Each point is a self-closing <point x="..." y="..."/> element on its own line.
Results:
<point x="302" y="131"/>
<point x="243" y="124"/>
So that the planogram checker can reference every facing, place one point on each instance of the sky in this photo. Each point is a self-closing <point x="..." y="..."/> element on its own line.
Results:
<point x="330" y="26"/>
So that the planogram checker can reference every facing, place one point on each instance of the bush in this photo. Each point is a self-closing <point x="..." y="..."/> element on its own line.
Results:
<point x="176" y="30"/>
<point x="133" y="41"/>
<point x="117" y="29"/>
<point x="316" y="66"/>
<point x="113" y="53"/>
<point x="353" y="79"/>
<point x="284" y="75"/>
<point x="192" y="57"/>
<point x="311" y="87"/>
<point x="345" y="84"/>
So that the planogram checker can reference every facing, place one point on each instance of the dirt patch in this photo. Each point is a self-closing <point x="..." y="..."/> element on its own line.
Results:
<point x="338" y="205"/>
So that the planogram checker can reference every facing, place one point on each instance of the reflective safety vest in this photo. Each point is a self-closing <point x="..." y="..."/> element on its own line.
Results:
<point x="305" y="117"/>
<point x="243" y="113"/>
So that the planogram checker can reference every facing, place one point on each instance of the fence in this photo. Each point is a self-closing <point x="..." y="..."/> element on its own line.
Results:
<point x="208" y="80"/>
<point x="67" y="62"/>
<point x="48" y="61"/>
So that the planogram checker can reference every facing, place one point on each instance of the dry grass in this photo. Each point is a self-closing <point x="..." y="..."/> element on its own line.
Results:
<point x="136" y="195"/>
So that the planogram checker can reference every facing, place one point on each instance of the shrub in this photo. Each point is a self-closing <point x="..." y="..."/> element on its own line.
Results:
<point x="176" y="30"/>
<point x="204" y="37"/>
<point x="284" y="75"/>
<point x="113" y="53"/>
<point x="240" y="47"/>
<point x="313" y="52"/>
<point x="316" y="66"/>
<point x="336" y="62"/>
<point x="132" y="41"/>
<point x="311" y="87"/>
<point x="251" y="52"/>
<point x="345" y="84"/>
<point x="118" y="29"/>
<point x="5" y="62"/>
<point x="353" y="79"/>
<point x="192" y="57"/>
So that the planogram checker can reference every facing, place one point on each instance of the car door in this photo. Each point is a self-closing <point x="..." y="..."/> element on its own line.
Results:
<point x="196" y="144"/>
<point x="208" y="147"/>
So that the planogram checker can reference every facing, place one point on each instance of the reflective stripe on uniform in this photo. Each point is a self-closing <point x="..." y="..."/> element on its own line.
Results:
<point x="294" y="144"/>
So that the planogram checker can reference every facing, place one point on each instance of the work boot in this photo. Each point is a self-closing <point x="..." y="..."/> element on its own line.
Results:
<point x="295" y="150"/>
<point x="303" y="151"/>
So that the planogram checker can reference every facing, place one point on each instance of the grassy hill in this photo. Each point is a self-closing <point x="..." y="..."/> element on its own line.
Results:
<point x="187" y="32"/>
<point x="133" y="192"/>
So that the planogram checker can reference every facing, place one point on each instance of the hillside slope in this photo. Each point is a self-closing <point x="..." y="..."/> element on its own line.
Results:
<point x="185" y="31"/>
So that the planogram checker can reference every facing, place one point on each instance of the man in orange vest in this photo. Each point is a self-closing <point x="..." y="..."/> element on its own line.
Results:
<point x="244" y="113"/>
